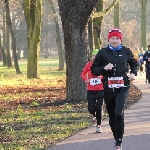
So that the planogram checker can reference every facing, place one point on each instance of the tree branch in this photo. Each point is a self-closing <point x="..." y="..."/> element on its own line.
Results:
<point x="99" y="14"/>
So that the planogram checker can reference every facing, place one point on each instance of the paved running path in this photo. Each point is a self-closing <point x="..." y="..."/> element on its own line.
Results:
<point x="137" y="128"/>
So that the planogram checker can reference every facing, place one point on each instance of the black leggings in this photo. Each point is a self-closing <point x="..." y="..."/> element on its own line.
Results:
<point x="95" y="103"/>
<point x="148" y="73"/>
<point x="115" y="102"/>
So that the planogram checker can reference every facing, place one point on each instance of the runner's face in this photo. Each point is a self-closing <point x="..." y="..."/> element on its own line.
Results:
<point x="114" y="41"/>
<point x="93" y="57"/>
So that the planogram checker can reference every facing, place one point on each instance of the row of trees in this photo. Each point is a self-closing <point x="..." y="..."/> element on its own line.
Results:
<point x="74" y="16"/>
<point x="10" y="24"/>
<point x="82" y="22"/>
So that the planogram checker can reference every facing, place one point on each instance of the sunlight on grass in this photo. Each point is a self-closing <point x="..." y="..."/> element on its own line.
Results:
<point x="48" y="69"/>
<point x="30" y="119"/>
<point x="27" y="127"/>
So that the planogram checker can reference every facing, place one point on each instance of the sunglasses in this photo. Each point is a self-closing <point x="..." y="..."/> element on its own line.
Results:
<point x="115" y="30"/>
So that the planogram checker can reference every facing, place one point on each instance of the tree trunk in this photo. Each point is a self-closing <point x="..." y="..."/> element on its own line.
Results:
<point x="4" y="39"/>
<point x="58" y="39"/>
<point x="76" y="59"/>
<point x="98" y="19"/>
<point x="143" y="4"/>
<point x="32" y="11"/>
<point x="1" y="49"/>
<point x="97" y="25"/>
<point x="13" y="38"/>
<point x="90" y="38"/>
<point x="7" y="40"/>
<point x="74" y="15"/>
<point x="116" y="15"/>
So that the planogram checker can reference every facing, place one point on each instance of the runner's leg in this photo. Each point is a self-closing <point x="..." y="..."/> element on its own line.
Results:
<point x="109" y="98"/>
<point x="119" y="114"/>
<point x="99" y="105"/>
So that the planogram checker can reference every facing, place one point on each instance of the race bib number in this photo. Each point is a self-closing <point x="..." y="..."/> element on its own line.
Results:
<point x="115" y="82"/>
<point x="95" y="81"/>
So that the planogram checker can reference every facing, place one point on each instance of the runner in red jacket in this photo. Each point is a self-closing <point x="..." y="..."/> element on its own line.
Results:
<point x="94" y="92"/>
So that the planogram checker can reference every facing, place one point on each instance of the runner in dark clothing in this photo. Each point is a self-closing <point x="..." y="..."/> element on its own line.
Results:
<point x="147" y="65"/>
<point x="111" y="62"/>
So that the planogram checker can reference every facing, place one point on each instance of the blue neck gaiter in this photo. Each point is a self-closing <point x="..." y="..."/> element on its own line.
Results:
<point x="119" y="47"/>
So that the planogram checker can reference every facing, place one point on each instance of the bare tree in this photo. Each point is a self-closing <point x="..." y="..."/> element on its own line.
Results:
<point x="4" y="54"/>
<point x="7" y="37"/>
<point x="12" y="37"/>
<point x="74" y="16"/>
<point x="32" y="12"/>
<point x="58" y="39"/>
<point x="116" y="15"/>
<point x="98" y="16"/>
<point x="143" y="4"/>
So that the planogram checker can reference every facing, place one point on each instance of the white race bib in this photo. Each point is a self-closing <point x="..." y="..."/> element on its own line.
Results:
<point x="115" y="82"/>
<point x="95" y="81"/>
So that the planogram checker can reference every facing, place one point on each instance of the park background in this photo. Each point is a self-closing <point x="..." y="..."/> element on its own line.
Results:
<point x="30" y="86"/>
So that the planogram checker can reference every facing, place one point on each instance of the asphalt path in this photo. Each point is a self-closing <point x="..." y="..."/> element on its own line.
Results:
<point x="137" y="128"/>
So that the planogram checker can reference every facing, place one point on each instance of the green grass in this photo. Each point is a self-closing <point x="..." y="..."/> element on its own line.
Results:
<point x="46" y="67"/>
<point x="41" y="128"/>
<point x="27" y="124"/>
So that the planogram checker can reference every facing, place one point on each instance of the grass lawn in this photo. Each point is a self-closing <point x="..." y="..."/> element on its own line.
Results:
<point x="34" y="113"/>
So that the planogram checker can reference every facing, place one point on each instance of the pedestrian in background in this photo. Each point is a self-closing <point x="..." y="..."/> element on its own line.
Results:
<point x="95" y="92"/>
<point x="141" y="61"/>
<point x="147" y="64"/>
<point x="136" y="56"/>
<point x="111" y="62"/>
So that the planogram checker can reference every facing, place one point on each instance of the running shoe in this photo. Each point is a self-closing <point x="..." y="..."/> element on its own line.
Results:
<point x="98" y="129"/>
<point x="118" y="147"/>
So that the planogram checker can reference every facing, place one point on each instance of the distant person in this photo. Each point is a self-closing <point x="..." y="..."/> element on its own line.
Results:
<point x="136" y="53"/>
<point x="128" y="66"/>
<point x="95" y="92"/>
<point x="141" y="61"/>
<point x="111" y="63"/>
<point x="136" y="56"/>
<point x="147" y="64"/>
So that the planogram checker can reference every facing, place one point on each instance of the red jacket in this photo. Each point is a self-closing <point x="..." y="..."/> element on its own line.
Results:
<point x="94" y="81"/>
